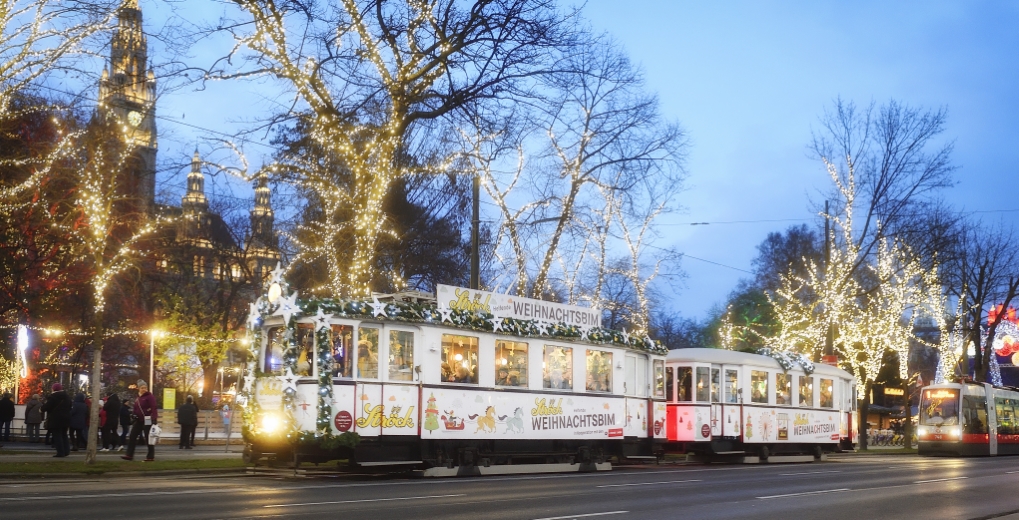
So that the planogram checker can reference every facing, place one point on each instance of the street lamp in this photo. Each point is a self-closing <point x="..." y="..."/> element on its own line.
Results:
<point x="152" y="356"/>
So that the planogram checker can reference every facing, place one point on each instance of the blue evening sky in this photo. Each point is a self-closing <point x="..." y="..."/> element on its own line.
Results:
<point x="747" y="80"/>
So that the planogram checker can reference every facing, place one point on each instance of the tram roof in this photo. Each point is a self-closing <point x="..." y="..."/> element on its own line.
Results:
<point x="732" y="357"/>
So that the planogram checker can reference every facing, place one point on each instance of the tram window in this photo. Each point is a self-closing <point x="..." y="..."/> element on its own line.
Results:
<point x="401" y="355"/>
<point x="670" y="393"/>
<point x="343" y="341"/>
<point x="939" y="407"/>
<point x="305" y="349"/>
<point x="367" y="353"/>
<point x="974" y="414"/>
<point x="660" y="379"/>
<point x="599" y="371"/>
<point x="459" y="359"/>
<point x="827" y="394"/>
<point x="758" y="386"/>
<point x="731" y="386"/>
<point x="1005" y="411"/>
<point x="715" y="385"/>
<point x="784" y="389"/>
<point x="684" y="380"/>
<point x="806" y="391"/>
<point x="557" y="367"/>
<point x="703" y="384"/>
<point x="274" y="351"/>
<point x="510" y="363"/>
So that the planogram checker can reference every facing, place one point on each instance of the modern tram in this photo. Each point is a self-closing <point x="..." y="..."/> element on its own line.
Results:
<point x="722" y="402"/>
<point x="968" y="419"/>
<point x="445" y="382"/>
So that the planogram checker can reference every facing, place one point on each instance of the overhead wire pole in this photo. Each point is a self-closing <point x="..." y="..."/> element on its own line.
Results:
<point x="475" y="222"/>
<point x="829" y="356"/>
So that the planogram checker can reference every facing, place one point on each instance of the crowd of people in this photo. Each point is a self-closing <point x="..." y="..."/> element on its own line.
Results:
<point x="893" y="435"/>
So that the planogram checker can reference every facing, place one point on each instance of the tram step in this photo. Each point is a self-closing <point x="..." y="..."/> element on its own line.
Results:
<point x="391" y="463"/>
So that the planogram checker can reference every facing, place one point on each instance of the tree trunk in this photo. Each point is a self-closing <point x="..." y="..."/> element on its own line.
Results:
<point x="97" y="369"/>
<point x="907" y="426"/>
<point x="864" y="408"/>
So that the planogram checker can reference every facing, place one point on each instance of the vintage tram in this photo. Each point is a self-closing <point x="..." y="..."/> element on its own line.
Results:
<point x="465" y="378"/>
<point x="722" y="403"/>
<point x="968" y="419"/>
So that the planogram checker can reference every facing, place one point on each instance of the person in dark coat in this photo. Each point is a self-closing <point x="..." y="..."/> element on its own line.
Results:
<point x="125" y="422"/>
<point x="145" y="415"/>
<point x="6" y="417"/>
<point x="33" y="417"/>
<point x="109" y="429"/>
<point x="187" y="418"/>
<point x="79" y="412"/>
<point x="58" y="413"/>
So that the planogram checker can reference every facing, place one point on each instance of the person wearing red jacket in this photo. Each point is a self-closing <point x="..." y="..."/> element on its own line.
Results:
<point x="144" y="417"/>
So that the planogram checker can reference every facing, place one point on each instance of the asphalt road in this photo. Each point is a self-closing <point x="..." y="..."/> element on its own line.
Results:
<point x="854" y="486"/>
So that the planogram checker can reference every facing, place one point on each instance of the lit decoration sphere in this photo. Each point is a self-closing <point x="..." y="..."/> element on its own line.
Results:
<point x="1015" y="359"/>
<point x="275" y="291"/>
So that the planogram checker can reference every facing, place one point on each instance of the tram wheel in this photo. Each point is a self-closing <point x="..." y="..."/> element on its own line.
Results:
<point x="763" y="452"/>
<point x="817" y="452"/>
<point x="251" y="454"/>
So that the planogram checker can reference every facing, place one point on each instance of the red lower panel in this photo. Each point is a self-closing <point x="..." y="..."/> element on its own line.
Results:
<point x="1008" y="439"/>
<point x="671" y="429"/>
<point x="977" y="438"/>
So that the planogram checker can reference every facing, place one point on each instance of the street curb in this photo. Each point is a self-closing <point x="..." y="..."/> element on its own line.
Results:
<point x="120" y="474"/>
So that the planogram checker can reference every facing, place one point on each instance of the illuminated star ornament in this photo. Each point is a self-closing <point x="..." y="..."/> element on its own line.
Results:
<point x="288" y="307"/>
<point x="378" y="307"/>
<point x="276" y="274"/>
<point x="542" y="327"/>
<point x="584" y="331"/>
<point x="626" y="337"/>
<point x="322" y="320"/>
<point x="496" y="323"/>
<point x="253" y="316"/>
<point x="289" y="380"/>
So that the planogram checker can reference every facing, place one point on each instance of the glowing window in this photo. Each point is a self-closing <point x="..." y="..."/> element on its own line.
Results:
<point x="557" y="367"/>
<point x="459" y="359"/>
<point x="510" y="363"/>
<point x="599" y="371"/>
<point x="401" y="355"/>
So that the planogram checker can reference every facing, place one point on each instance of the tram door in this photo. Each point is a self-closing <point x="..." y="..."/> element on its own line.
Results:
<point x="716" y="400"/>
<point x="731" y="395"/>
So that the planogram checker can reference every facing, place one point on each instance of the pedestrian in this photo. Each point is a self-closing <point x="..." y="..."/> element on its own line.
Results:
<point x="6" y="417"/>
<point x="33" y="417"/>
<point x="145" y="416"/>
<point x="187" y="418"/>
<point x="79" y="410"/>
<point x="125" y="422"/>
<point x="112" y="409"/>
<point x="58" y="413"/>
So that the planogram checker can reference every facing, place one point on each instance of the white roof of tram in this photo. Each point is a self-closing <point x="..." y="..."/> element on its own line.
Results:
<point x="732" y="357"/>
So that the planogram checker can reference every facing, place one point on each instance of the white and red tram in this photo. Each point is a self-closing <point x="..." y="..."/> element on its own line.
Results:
<point x="722" y="402"/>
<point x="429" y="392"/>
<point x="968" y="419"/>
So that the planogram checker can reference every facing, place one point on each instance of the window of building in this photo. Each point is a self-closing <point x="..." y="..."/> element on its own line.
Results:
<point x="599" y="371"/>
<point x="342" y="339"/>
<point x="660" y="378"/>
<point x="684" y="384"/>
<point x="783" y="389"/>
<point x="557" y="367"/>
<point x="305" y="349"/>
<point x="827" y="393"/>
<point x="274" y="351"/>
<point x="367" y="353"/>
<point x="703" y="384"/>
<point x="806" y="391"/>
<point x="510" y="363"/>
<point x="731" y="387"/>
<point x="459" y="359"/>
<point x="758" y="386"/>
<point x="401" y="355"/>
<point x="235" y="271"/>
<point x="217" y="271"/>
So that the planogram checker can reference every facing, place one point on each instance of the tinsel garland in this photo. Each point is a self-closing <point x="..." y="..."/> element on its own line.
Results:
<point x="788" y="359"/>
<point x="325" y="383"/>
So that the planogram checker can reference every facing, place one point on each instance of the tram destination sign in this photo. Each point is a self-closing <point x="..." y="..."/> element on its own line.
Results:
<point x="508" y="306"/>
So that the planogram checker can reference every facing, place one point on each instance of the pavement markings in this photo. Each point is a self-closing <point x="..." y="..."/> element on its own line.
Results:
<point x="649" y="483"/>
<point x="1008" y="472"/>
<point x="807" y="473"/>
<point x="939" y="480"/>
<point x="365" y="500"/>
<point x="805" y="493"/>
<point x="583" y="516"/>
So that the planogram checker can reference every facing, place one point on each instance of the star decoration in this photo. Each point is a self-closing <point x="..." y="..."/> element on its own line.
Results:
<point x="626" y="337"/>
<point x="249" y="383"/>
<point x="253" y="316"/>
<point x="542" y="327"/>
<point x="322" y="320"/>
<point x="277" y="275"/>
<point x="584" y="331"/>
<point x="496" y="323"/>
<point x="378" y="307"/>
<point x="446" y="314"/>
<point x="288" y="307"/>
<point x="289" y="380"/>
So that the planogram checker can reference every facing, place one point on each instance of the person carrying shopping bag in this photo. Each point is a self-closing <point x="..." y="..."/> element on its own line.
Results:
<point x="145" y="417"/>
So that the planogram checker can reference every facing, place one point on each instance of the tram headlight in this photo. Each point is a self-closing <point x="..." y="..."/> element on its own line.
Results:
<point x="954" y="431"/>
<point x="270" y="423"/>
<point x="921" y="431"/>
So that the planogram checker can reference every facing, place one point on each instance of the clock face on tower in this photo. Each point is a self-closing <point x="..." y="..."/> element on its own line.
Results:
<point x="134" y="118"/>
